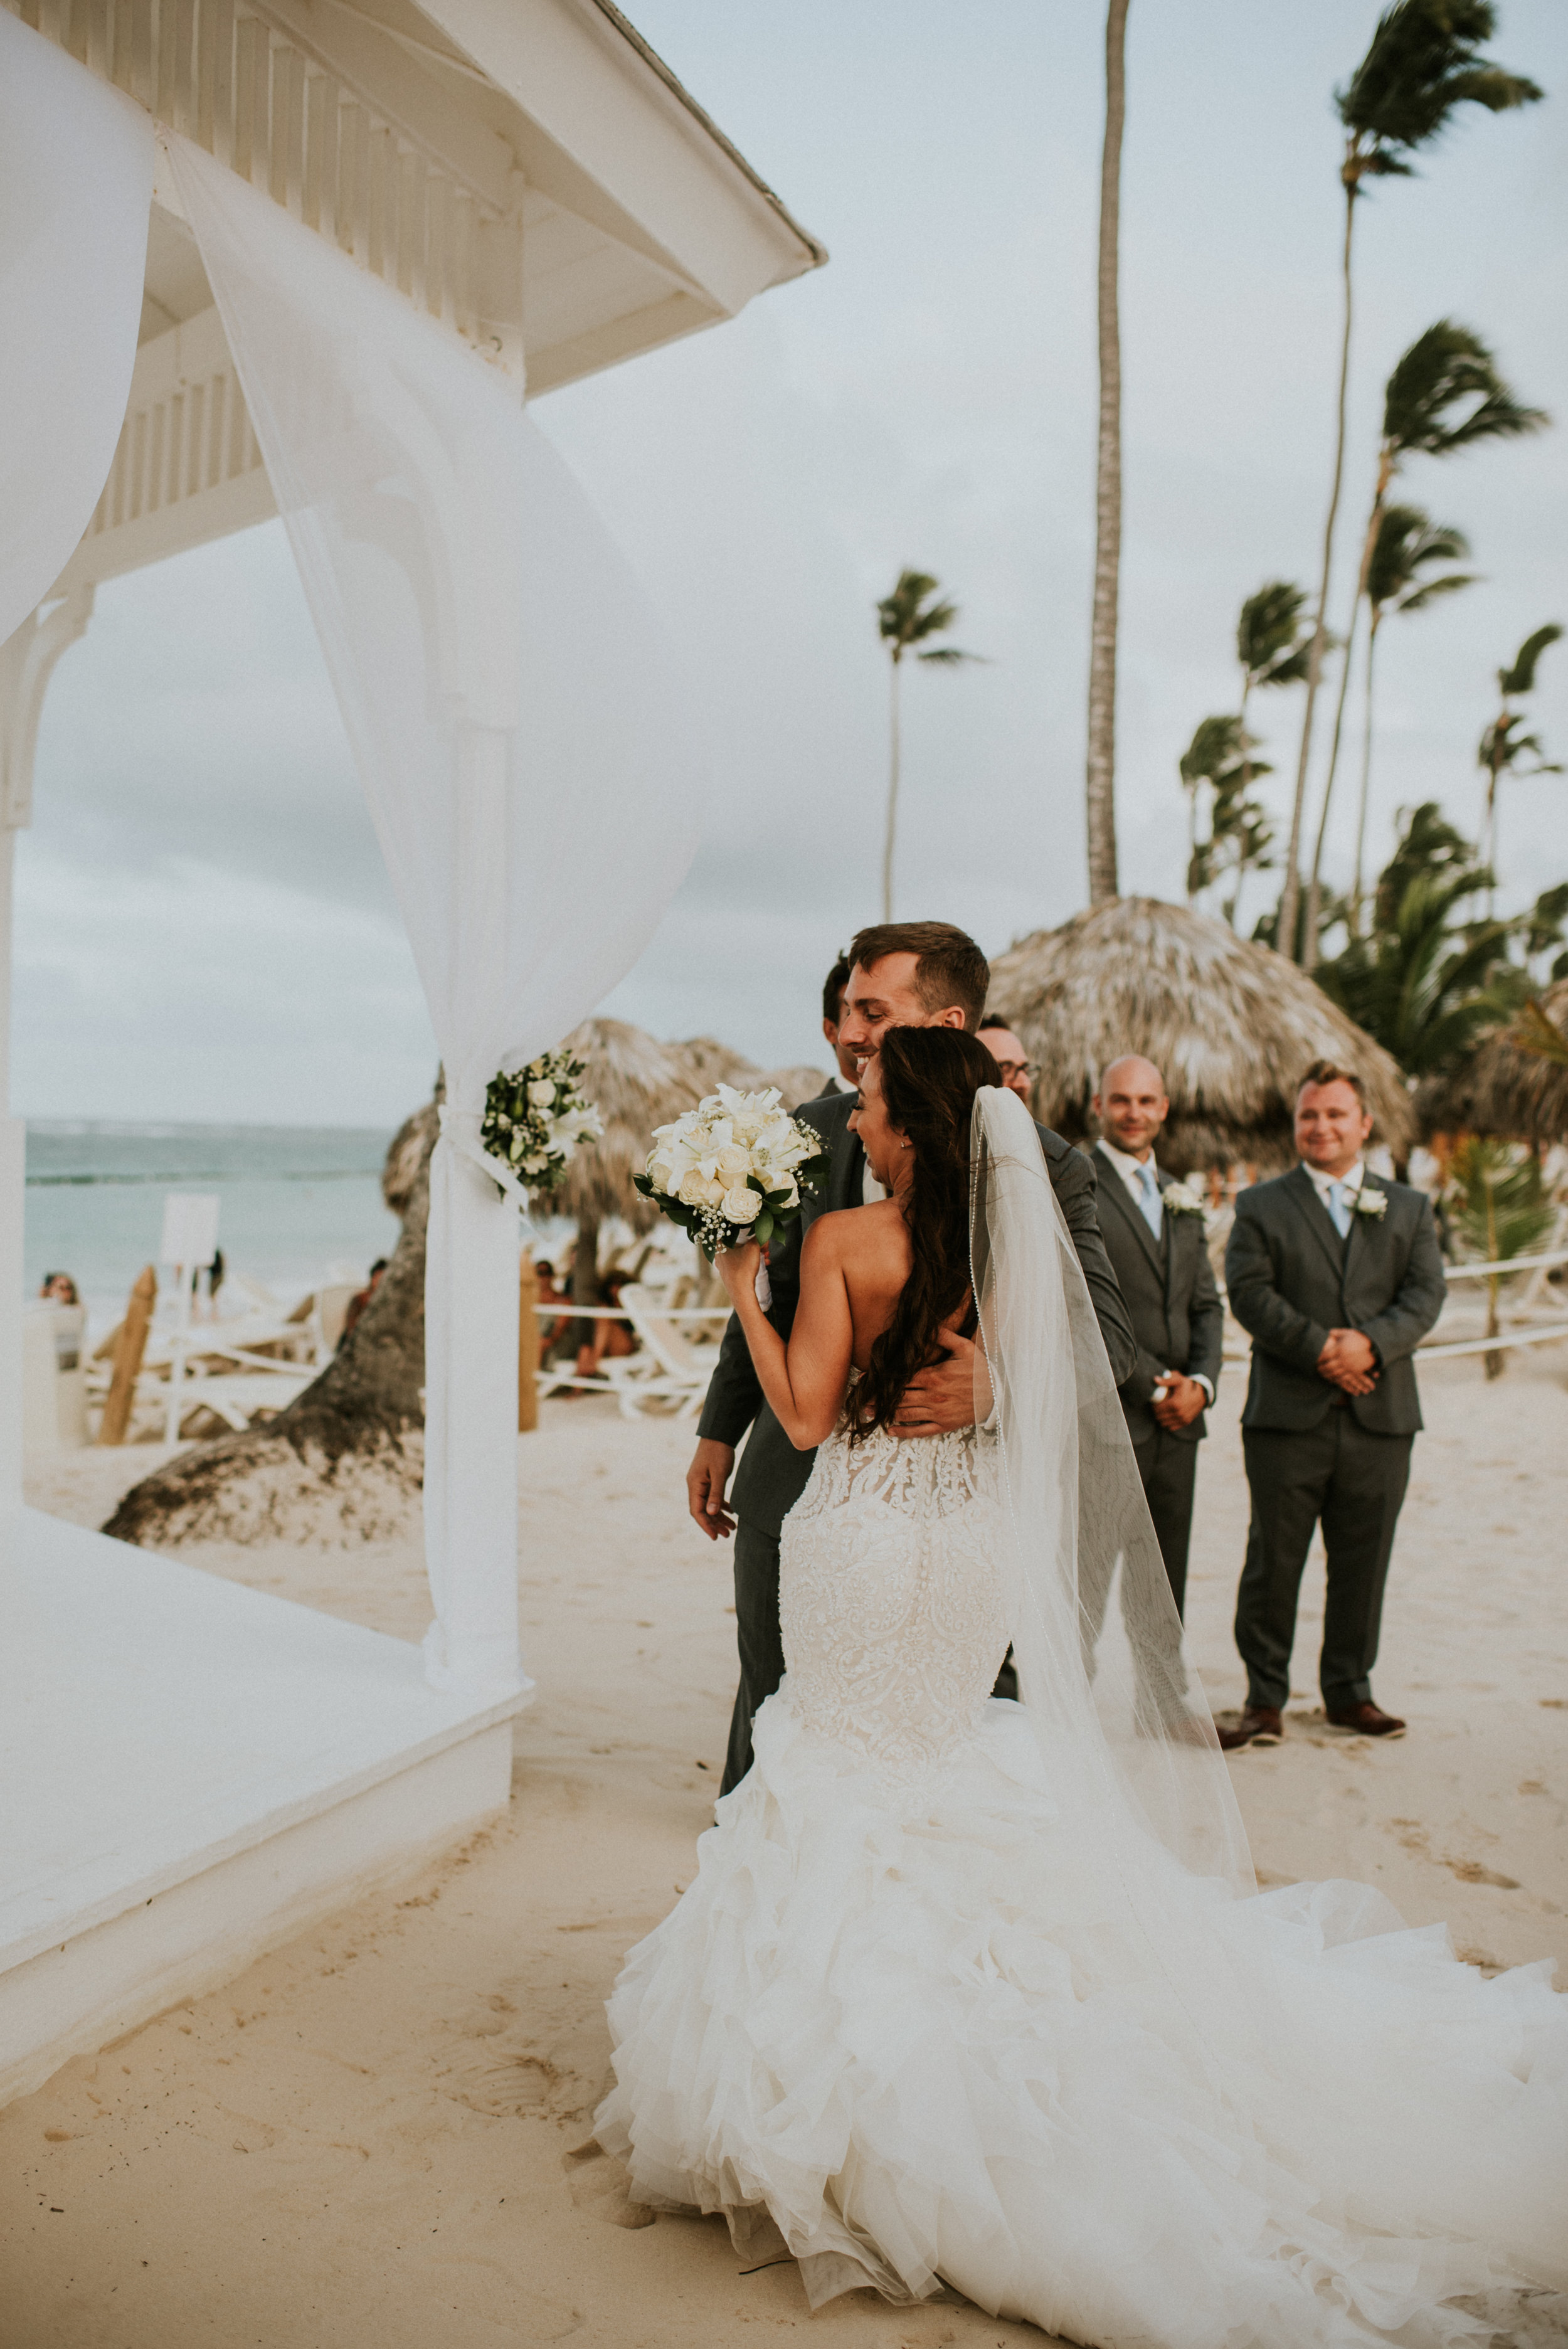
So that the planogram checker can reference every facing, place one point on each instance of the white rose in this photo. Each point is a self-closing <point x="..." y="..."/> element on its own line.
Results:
<point x="734" y="1164"/>
<point x="660" y="1174"/>
<point x="542" y="1093"/>
<point x="742" y="1204"/>
<point x="693" y="1186"/>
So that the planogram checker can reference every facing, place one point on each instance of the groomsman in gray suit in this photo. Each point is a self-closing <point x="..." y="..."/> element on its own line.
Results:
<point x="1163" y="1269"/>
<point x="906" y="975"/>
<point x="1338" y="1276"/>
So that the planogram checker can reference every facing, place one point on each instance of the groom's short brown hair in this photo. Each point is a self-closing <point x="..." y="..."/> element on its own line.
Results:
<point x="949" y="967"/>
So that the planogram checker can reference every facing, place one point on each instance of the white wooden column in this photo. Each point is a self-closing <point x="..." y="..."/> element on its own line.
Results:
<point x="26" y="664"/>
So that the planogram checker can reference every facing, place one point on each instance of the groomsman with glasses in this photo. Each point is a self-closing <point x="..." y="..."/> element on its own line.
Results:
<point x="1162" y="1265"/>
<point x="1338" y="1276"/>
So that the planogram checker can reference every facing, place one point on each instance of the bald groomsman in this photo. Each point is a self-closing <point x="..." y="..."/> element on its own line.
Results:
<point x="1162" y="1267"/>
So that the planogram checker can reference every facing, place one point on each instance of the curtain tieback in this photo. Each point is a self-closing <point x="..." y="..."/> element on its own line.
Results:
<point x="460" y="1132"/>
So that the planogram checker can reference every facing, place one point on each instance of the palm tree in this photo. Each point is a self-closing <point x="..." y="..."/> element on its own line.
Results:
<point x="1239" y="833"/>
<point x="915" y="611"/>
<point x="1445" y="395"/>
<point x="1101" y="761"/>
<point x="1422" y="63"/>
<point x="1499" y="1208"/>
<point x="1428" y="980"/>
<point x="1503" y="747"/>
<point x="1408" y="543"/>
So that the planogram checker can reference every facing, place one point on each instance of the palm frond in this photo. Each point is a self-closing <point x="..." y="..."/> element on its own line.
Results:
<point x="1406" y="543"/>
<point x="1520" y="678"/>
<point x="1425" y="408"/>
<point x="949" y="656"/>
<point x="1268" y="634"/>
<point x="1449" y="585"/>
<point x="1422" y="63"/>
<point x="1535" y="1032"/>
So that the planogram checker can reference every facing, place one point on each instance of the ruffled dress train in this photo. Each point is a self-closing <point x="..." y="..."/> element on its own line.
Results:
<point x="908" y="2016"/>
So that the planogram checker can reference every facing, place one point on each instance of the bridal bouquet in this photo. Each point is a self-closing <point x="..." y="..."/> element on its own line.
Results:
<point x="535" y="1118"/>
<point x="732" y="1169"/>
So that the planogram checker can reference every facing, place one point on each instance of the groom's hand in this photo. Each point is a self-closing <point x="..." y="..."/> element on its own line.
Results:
<point x="942" y="1398"/>
<point x="705" y="1480"/>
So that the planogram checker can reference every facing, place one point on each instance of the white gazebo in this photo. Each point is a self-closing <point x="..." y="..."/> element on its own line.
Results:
<point x="304" y="257"/>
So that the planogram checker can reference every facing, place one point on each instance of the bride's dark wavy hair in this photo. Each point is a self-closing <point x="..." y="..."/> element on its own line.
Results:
<point x="929" y="1077"/>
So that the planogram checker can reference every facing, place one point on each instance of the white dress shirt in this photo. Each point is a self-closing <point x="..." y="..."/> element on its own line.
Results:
<point x="1131" y="1170"/>
<point x="1323" y="1183"/>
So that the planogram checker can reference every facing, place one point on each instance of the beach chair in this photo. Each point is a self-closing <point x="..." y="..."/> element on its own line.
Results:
<point x="668" y="1372"/>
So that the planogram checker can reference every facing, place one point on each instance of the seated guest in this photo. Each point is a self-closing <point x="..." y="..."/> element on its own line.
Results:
<point x="358" y="1303"/>
<point x="59" y="1289"/>
<point x="1017" y="1071"/>
<point x="613" y="1338"/>
<point x="1161" y="1263"/>
<point x="550" y="1292"/>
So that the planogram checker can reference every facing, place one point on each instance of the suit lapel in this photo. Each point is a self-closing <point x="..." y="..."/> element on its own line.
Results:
<point x="1123" y="1201"/>
<point x="1173" y="1240"/>
<point x="1363" y="1229"/>
<point x="1318" y="1221"/>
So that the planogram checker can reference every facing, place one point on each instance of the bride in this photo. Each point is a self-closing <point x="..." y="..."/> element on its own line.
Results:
<point x="981" y="1994"/>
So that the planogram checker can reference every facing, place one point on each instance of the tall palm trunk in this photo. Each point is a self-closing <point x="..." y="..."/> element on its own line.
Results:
<point x="1363" y="573"/>
<point x="1290" y="896"/>
<point x="1309" y="927"/>
<point x="1366" y="781"/>
<point x="893" y="756"/>
<point x="1101" y="763"/>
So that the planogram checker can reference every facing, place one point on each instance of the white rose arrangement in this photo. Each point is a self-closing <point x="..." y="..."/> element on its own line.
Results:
<point x="1182" y="1199"/>
<point x="535" y="1117"/>
<point x="1369" y="1203"/>
<point x="736" y="1167"/>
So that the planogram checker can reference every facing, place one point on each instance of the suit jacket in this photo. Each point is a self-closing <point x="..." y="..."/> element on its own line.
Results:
<point x="1171" y="1298"/>
<point x="1292" y="1279"/>
<point x="772" y="1474"/>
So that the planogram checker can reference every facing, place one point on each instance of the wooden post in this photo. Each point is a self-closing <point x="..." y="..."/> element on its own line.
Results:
<point x="527" y="1348"/>
<point x="127" y="1357"/>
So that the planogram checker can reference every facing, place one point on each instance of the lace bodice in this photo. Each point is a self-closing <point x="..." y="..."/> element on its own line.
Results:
<point x="890" y="1604"/>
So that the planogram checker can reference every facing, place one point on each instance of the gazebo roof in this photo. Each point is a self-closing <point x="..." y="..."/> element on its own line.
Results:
<point x="527" y="172"/>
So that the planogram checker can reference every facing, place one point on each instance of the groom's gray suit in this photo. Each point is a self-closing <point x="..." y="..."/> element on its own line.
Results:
<point x="772" y="1474"/>
<point x="1313" y="1452"/>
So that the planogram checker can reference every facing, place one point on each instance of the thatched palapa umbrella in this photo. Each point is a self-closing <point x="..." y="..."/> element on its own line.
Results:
<point x="1231" y="1025"/>
<point x="636" y="1083"/>
<point x="1504" y="1088"/>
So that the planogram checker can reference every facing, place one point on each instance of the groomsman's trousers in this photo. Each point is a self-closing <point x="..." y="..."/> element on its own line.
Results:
<point x="1353" y="1483"/>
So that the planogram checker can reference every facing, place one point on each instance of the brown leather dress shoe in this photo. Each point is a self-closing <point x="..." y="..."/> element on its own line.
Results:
<point x="1259" y="1724"/>
<point x="1369" y="1719"/>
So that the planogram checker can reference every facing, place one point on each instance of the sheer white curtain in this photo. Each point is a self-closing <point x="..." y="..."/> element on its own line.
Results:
<point x="76" y="185"/>
<point x="526" y="751"/>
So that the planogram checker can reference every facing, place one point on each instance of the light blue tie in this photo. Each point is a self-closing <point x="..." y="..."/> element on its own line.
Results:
<point x="1149" y="1206"/>
<point x="1339" y="1208"/>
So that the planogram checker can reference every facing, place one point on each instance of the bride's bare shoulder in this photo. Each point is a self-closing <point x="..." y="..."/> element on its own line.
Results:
<point x="859" y="1240"/>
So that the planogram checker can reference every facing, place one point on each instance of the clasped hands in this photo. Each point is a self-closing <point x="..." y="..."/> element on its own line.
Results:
<point x="1348" y="1360"/>
<point x="1180" y="1401"/>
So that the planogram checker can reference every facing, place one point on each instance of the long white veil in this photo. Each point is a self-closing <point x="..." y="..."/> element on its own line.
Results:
<point x="1118" y="1710"/>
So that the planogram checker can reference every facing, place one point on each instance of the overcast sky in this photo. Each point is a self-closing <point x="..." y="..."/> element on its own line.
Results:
<point x="204" y="929"/>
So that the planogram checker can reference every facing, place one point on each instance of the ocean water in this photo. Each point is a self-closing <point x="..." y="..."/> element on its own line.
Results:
<point x="298" y="1205"/>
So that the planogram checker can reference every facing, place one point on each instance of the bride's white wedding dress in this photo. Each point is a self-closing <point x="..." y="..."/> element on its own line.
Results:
<point x="941" y="2006"/>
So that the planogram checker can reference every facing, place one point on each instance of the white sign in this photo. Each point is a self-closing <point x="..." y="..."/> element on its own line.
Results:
<point x="190" y="1229"/>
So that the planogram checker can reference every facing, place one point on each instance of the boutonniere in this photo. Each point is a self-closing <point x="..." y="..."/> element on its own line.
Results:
<point x="1374" y="1204"/>
<point x="1181" y="1199"/>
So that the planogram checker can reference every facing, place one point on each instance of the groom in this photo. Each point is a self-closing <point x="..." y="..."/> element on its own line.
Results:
<point x="902" y="975"/>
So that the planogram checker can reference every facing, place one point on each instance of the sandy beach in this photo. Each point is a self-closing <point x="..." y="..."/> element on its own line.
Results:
<point x="366" y="2139"/>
